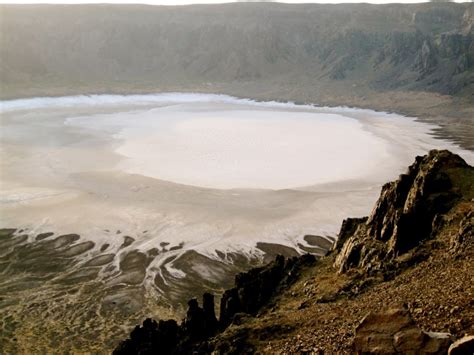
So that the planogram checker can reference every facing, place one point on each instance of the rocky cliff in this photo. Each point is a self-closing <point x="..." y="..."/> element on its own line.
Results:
<point x="398" y="281"/>
<point x="408" y="211"/>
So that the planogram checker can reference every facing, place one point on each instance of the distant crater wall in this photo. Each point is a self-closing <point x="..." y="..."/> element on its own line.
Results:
<point x="112" y="48"/>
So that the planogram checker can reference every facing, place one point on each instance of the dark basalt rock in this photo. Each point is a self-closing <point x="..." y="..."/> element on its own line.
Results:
<point x="254" y="288"/>
<point x="194" y="324"/>
<point x="405" y="213"/>
<point x="150" y="338"/>
<point x="210" y="320"/>
<point x="252" y="291"/>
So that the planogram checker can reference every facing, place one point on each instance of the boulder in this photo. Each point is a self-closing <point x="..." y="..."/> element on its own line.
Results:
<point x="463" y="346"/>
<point x="393" y="331"/>
<point x="437" y="342"/>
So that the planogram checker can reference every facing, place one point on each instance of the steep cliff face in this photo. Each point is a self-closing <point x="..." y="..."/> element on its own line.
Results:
<point x="408" y="212"/>
<point x="110" y="48"/>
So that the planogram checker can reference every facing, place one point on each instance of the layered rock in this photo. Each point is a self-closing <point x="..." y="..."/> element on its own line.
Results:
<point x="407" y="212"/>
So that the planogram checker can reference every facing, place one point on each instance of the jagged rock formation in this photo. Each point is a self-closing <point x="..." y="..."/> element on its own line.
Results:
<point x="422" y="225"/>
<point x="168" y="337"/>
<point x="252" y="291"/>
<point x="408" y="211"/>
<point x="415" y="249"/>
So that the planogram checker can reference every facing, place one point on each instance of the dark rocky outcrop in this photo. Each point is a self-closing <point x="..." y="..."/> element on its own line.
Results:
<point x="167" y="337"/>
<point x="407" y="212"/>
<point x="252" y="291"/>
<point x="348" y="229"/>
<point x="394" y="332"/>
<point x="254" y="288"/>
<point x="149" y="337"/>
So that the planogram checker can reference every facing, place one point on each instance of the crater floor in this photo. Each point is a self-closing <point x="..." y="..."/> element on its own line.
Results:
<point x="154" y="199"/>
